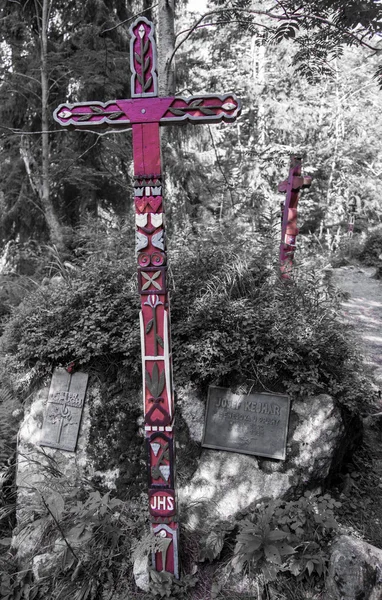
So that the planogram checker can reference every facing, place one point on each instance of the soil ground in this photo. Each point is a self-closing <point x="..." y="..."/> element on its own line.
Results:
<point x="363" y="309"/>
<point x="360" y="491"/>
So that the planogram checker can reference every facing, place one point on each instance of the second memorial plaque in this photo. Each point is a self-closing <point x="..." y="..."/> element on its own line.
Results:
<point x="250" y="424"/>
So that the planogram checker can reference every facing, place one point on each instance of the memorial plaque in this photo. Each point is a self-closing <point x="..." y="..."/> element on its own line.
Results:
<point x="250" y="424"/>
<point x="64" y="410"/>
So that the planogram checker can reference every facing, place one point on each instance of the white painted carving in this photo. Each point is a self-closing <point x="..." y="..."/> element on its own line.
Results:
<point x="156" y="220"/>
<point x="141" y="220"/>
<point x="141" y="241"/>
<point x="165" y="470"/>
<point x="155" y="448"/>
<point x="157" y="240"/>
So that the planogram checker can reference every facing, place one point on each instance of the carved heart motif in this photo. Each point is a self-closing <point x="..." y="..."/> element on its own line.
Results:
<point x="155" y="203"/>
<point x="141" y="204"/>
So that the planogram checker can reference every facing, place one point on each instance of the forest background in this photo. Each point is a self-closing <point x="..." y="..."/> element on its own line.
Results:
<point x="308" y="77"/>
<point x="302" y="92"/>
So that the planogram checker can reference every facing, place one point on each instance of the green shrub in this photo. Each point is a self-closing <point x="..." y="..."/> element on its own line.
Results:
<point x="287" y="537"/>
<point x="233" y="320"/>
<point x="92" y="536"/>
<point x="372" y="250"/>
<point x="164" y="585"/>
<point x="89" y="318"/>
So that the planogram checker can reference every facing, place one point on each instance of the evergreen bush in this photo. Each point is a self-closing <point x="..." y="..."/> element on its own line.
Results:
<point x="371" y="254"/>
<point x="234" y="321"/>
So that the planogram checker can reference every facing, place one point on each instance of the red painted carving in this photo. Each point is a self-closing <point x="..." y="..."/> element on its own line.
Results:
<point x="161" y="111"/>
<point x="144" y="113"/>
<point x="289" y="230"/>
<point x="160" y="461"/>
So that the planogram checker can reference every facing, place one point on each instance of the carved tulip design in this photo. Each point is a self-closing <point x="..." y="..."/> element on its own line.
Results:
<point x="153" y="301"/>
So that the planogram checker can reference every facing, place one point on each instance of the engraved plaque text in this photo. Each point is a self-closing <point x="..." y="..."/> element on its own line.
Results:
<point x="254" y="424"/>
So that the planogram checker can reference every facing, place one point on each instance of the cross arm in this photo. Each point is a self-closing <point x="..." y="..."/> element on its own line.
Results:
<point x="165" y="111"/>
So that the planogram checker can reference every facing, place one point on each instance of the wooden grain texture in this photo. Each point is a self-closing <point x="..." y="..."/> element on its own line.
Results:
<point x="146" y="150"/>
<point x="289" y="229"/>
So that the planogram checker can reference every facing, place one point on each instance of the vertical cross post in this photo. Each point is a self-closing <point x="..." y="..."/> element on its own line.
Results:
<point x="144" y="113"/>
<point x="289" y="229"/>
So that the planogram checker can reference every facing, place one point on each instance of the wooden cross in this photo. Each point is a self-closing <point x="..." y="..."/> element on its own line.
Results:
<point x="144" y="113"/>
<point x="289" y="229"/>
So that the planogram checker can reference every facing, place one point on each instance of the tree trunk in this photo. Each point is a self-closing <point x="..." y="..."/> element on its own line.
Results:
<point x="259" y="135"/>
<point x="147" y="7"/>
<point x="166" y="43"/>
<point x="259" y="76"/>
<point x="336" y="127"/>
<point x="44" y="188"/>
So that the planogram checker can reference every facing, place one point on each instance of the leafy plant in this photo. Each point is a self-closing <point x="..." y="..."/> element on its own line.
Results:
<point x="287" y="537"/>
<point x="90" y="536"/>
<point x="19" y="586"/>
<point x="372" y="250"/>
<point x="165" y="585"/>
<point x="210" y="546"/>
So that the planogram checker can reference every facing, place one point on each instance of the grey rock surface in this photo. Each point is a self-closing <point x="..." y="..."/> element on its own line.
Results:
<point x="355" y="571"/>
<point x="228" y="483"/>
<point x="43" y="474"/>
<point x="141" y="573"/>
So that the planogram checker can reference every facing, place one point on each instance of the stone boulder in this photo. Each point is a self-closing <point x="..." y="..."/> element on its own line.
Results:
<point x="41" y="472"/>
<point x="355" y="571"/>
<point x="46" y="475"/>
<point x="227" y="483"/>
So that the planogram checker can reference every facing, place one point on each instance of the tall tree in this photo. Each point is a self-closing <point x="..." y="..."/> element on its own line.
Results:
<point x="166" y="43"/>
<point x="54" y="227"/>
<point x="70" y="51"/>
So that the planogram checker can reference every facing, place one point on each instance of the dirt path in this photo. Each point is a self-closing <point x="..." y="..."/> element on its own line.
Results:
<point x="363" y="309"/>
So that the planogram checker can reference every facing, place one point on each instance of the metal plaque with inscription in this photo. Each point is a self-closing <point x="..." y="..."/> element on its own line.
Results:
<point x="250" y="424"/>
<point x="64" y="410"/>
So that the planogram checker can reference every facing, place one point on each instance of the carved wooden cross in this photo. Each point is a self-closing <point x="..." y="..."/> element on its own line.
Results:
<point x="144" y="112"/>
<point x="289" y="229"/>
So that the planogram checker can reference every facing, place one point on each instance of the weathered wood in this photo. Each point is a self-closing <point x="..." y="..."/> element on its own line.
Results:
<point x="64" y="410"/>
<point x="146" y="144"/>
<point x="144" y="113"/>
<point x="289" y="229"/>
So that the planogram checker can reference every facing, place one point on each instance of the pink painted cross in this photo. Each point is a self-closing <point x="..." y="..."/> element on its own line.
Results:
<point x="144" y="113"/>
<point x="289" y="230"/>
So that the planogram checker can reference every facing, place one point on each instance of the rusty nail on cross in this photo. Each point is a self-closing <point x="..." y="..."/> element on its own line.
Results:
<point x="289" y="230"/>
<point x="144" y="112"/>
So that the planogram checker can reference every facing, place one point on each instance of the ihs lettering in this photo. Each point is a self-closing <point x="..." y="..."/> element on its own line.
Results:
<point x="162" y="503"/>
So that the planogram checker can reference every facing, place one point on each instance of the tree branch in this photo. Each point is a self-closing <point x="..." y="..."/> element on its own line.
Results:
<point x="14" y="131"/>
<point x="222" y="23"/>
<point x="296" y="16"/>
<point x="27" y="76"/>
<point x="59" y="528"/>
<point x="62" y="173"/>
<point x="229" y="186"/>
<point x="129" y="19"/>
